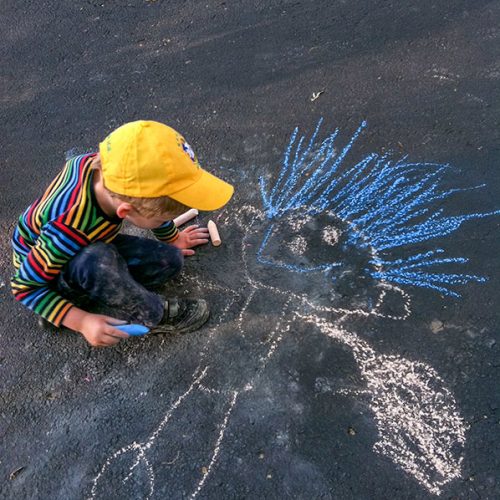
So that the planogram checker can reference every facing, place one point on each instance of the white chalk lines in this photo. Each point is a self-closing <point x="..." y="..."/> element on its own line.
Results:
<point x="215" y="455"/>
<point x="140" y="449"/>
<point x="419" y="426"/>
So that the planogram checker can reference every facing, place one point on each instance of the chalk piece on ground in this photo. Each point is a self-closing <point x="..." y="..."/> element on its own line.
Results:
<point x="214" y="233"/>
<point x="134" y="330"/>
<point x="183" y="218"/>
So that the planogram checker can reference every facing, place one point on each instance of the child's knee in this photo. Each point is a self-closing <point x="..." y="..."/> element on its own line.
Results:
<point x="93" y="252"/>
<point x="91" y="261"/>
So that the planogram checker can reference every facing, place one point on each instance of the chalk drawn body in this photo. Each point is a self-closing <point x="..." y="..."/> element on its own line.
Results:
<point x="320" y="251"/>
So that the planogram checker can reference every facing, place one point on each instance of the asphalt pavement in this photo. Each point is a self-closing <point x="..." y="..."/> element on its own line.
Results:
<point x="302" y="385"/>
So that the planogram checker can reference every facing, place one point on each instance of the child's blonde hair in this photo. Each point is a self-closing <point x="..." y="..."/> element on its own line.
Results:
<point x="147" y="207"/>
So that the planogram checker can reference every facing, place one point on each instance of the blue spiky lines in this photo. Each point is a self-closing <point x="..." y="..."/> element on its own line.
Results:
<point x="387" y="203"/>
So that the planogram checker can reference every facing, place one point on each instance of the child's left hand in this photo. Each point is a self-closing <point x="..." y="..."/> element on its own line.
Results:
<point x="192" y="236"/>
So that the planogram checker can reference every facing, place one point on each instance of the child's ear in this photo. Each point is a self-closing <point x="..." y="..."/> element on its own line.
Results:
<point x="124" y="209"/>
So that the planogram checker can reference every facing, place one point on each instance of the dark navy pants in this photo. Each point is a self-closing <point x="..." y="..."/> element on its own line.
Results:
<point x="120" y="277"/>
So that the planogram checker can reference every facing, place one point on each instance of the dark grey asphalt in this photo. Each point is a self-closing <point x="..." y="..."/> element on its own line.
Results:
<point x="236" y="78"/>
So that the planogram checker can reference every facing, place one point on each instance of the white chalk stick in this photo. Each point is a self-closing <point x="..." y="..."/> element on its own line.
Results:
<point x="214" y="233"/>
<point x="183" y="218"/>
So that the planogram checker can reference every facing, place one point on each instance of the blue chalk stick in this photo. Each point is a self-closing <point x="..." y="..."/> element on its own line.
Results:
<point x="134" y="330"/>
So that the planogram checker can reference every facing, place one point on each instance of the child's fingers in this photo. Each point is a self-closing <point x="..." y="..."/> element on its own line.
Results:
<point x="114" y="332"/>
<point x="187" y="252"/>
<point x="109" y="340"/>
<point x="114" y="321"/>
<point x="198" y="234"/>
<point x="105" y="341"/>
<point x="195" y="227"/>
<point x="197" y="242"/>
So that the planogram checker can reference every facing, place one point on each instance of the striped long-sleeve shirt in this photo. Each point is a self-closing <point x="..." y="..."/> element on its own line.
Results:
<point x="54" y="229"/>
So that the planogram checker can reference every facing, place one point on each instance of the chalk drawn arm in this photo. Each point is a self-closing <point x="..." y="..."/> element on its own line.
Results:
<point x="419" y="426"/>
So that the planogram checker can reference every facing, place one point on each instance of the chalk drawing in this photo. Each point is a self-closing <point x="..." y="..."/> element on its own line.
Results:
<point x="139" y="450"/>
<point x="324" y="226"/>
<point x="419" y="426"/>
<point x="386" y="204"/>
<point x="330" y="235"/>
<point x="217" y="446"/>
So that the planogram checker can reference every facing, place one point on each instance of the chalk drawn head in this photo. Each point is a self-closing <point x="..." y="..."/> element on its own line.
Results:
<point x="312" y="256"/>
<point x="325" y="219"/>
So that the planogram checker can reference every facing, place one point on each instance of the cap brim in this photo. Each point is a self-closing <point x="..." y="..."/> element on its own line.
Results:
<point x="207" y="193"/>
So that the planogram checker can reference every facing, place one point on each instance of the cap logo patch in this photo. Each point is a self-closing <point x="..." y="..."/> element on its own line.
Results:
<point x="189" y="150"/>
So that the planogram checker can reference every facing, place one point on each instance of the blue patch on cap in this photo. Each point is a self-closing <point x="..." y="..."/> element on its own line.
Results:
<point x="189" y="150"/>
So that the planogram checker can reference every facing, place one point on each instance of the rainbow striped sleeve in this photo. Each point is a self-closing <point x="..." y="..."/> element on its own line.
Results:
<point x="167" y="232"/>
<point x="51" y="231"/>
<point x="55" y="246"/>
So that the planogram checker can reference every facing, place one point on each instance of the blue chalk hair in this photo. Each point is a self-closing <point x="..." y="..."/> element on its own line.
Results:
<point x="387" y="203"/>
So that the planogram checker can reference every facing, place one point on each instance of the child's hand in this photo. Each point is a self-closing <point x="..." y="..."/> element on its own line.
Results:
<point x="192" y="236"/>
<point x="98" y="330"/>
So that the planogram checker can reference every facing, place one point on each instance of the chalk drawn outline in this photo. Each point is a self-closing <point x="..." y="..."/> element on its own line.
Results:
<point x="374" y="194"/>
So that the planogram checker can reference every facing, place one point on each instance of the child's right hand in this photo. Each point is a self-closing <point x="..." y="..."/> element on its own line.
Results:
<point x="99" y="331"/>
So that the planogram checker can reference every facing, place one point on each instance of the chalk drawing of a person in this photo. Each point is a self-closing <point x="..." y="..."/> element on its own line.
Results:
<point x="330" y="245"/>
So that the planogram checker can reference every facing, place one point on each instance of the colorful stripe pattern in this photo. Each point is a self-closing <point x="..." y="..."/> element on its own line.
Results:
<point x="166" y="232"/>
<point x="53" y="230"/>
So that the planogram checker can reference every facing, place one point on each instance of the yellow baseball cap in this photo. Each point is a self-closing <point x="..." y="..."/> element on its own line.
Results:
<point x="147" y="159"/>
